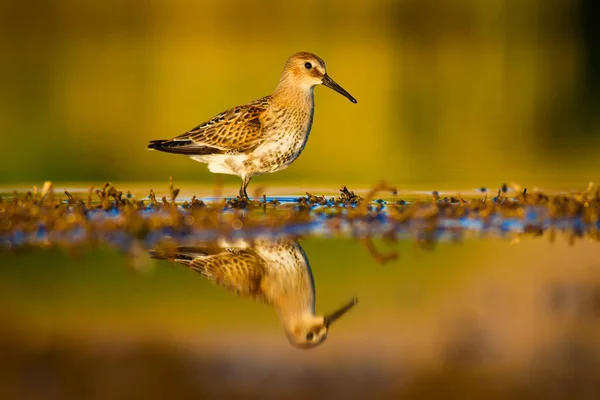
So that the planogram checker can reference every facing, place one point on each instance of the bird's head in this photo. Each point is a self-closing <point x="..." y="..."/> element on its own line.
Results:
<point x="309" y="330"/>
<point x="308" y="70"/>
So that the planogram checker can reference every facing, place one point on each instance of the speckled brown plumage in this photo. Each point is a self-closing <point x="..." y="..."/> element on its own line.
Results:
<point x="276" y="272"/>
<point x="238" y="271"/>
<point x="261" y="137"/>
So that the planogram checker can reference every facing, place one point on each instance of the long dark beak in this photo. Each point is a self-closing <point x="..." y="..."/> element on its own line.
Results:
<point x="330" y="83"/>
<point x="330" y="319"/>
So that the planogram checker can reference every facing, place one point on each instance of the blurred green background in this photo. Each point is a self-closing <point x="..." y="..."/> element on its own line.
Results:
<point x="451" y="93"/>
<point x="461" y="91"/>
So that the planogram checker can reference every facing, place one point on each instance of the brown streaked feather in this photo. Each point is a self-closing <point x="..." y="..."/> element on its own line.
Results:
<point x="237" y="270"/>
<point x="182" y="147"/>
<point x="238" y="129"/>
<point x="183" y="254"/>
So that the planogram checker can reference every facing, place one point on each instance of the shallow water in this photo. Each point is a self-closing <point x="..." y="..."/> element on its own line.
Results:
<point x="492" y="311"/>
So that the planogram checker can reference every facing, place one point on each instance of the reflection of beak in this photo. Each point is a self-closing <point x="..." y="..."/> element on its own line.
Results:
<point x="330" y="319"/>
<point x="330" y="83"/>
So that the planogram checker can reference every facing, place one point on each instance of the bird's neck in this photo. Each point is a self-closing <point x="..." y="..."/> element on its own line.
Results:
<point x="293" y="304"/>
<point x="292" y="95"/>
<point x="291" y="320"/>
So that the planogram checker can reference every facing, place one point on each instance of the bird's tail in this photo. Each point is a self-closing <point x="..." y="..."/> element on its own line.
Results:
<point x="182" y="254"/>
<point x="155" y="144"/>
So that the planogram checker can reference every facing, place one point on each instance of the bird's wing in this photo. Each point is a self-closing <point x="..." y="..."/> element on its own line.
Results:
<point x="240" y="271"/>
<point x="235" y="130"/>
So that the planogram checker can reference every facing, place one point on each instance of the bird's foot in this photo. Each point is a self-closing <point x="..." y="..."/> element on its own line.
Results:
<point x="242" y="200"/>
<point x="239" y="202"/>
<point x="243" y="196"/>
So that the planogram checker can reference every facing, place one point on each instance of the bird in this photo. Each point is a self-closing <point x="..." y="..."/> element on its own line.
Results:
<point x="273" y="271"/>
<point x="263" y="136"/>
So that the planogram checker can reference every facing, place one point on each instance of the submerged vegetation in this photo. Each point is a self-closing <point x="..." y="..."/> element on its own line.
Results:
<point x="45" y="218"/>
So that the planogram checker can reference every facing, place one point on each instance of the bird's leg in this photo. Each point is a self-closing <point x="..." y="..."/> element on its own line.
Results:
<point x="245" y="182"/>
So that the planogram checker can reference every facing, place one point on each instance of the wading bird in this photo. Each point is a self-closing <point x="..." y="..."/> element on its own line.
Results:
<point x="261" y="137"/>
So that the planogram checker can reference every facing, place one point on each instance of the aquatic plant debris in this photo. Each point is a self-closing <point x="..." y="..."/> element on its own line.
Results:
<point x="46" y="218"/>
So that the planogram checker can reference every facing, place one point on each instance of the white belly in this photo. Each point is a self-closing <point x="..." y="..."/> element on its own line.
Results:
<point x="223" y="163"/>
<point x="279" y="153"/>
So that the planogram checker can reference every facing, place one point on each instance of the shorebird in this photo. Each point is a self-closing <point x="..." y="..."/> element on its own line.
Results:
<point x="261" y="137"/>
<point x="274" y="272"/>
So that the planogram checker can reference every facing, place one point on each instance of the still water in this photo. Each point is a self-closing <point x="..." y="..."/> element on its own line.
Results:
<point x="506" y="313"/>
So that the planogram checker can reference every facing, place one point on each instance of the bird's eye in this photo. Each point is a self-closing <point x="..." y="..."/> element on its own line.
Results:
<point x="308" y="65"/>
<point x="310" y="335"/>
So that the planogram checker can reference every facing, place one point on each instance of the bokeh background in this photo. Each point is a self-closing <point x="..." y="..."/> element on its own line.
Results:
<point x="479" y="319"/>
<point x="451" y="94"/>
<point x="460" y="91"/>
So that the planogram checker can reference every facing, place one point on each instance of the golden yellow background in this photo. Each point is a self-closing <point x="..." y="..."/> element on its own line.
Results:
<point x="451" y="94"/>
<point x="463" y="91"/>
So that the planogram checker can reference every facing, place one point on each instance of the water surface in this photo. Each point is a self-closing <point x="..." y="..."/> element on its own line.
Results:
<point x="498" y="305"/>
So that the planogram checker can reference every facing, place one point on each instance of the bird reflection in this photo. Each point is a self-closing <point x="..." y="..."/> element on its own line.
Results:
<point x="276" y="272"/>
